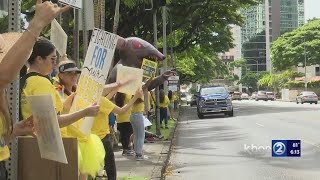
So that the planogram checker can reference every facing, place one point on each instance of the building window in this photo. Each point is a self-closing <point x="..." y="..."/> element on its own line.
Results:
<point x="317" y="71"/>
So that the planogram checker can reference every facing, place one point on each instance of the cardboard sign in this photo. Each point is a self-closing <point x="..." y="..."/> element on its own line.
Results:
<point x="125" y="72"/>
<point x="58" y="37"/>
<point x="149" y="68"/>
<point x="77" y="4"/>
<point x="94" y="73"/>
<point x="173" y="82"/>
<point x="47" y="128"/>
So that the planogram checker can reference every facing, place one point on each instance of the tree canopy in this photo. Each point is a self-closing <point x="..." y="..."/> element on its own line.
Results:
<point x="290" y="49"/>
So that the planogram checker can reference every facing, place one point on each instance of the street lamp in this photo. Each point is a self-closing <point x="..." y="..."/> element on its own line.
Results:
<point x="305" y="65"/>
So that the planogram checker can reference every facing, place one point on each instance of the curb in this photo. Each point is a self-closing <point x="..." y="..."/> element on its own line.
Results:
<point x="171" y="137"/>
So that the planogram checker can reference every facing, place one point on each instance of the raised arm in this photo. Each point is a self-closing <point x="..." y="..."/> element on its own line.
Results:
<point x="17" y="56"/>
<point x="126" y="107"/>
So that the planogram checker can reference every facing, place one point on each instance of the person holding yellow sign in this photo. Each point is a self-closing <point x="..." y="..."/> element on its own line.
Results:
<point x="67" y="75"/>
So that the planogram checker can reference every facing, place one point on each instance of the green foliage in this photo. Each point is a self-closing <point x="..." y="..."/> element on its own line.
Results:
<point x="4" y="24"/>
<point x="238" y="63"/>
<point x="294" y="84"/>
<point x="289" y="49"/>
<point x="278" y="80"/>
<point x="251" y="79"/>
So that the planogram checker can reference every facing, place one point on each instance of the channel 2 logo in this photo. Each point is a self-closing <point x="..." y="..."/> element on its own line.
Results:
<point x="286" y="148"/>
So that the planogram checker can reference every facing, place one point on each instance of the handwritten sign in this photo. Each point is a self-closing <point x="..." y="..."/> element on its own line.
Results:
<point x="173" y="83"/>
<point x="58" y="37"/>
<point x="94" y="72"/>
<point x="149" y="68"/>
<point x="77" y="4"/>
<point x="47" y="128"/>
<point x="125" y="72"/>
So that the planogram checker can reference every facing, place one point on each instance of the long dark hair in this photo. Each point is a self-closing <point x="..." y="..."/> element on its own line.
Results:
<point x="170" y="95"/>
<point x="119" y="99"/>
<point x="43" y="48"/>
<point x="161" y="96"/>
<point x="5" y="116"/>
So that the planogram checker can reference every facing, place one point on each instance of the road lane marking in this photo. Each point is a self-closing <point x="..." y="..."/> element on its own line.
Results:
<point x="259" y="124"/>
<point x="311" y="143"/>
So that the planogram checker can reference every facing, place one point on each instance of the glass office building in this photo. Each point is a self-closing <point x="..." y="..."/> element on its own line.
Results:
<point x="284" y="15"/>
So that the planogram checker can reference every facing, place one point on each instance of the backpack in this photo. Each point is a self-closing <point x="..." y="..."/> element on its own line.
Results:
<point x="23" y="84"/>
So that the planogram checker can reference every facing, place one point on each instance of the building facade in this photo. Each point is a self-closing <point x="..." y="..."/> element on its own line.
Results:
<point x="284" y="16"/>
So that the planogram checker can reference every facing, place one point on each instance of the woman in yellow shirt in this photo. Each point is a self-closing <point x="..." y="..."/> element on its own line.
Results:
<point x="13" y="55"/>
<point x="68" y="79"/>
<point x="164" y="103"/>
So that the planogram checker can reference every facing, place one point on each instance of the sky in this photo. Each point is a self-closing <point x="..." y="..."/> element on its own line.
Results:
<point x="312" y="9"/>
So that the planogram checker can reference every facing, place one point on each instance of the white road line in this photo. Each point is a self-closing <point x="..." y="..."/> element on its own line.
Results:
<point x="311" y="143"/>
<point x="259" y="124"/>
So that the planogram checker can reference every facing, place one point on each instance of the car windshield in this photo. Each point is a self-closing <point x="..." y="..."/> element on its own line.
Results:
<point x="270" y="93"/>
<point x="309" y="93"/>
<point x="213" y="90"/>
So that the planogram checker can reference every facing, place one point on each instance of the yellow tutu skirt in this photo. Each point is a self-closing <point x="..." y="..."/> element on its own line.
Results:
<point x="91" y="152"/>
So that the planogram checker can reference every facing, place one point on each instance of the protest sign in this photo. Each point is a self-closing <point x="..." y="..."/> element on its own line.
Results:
<point x="77" y="4"/>
<point x="173" y="83"/>
<point x="94" y="73"/>
<point x="135" y="74"/>
<point x="149" y="68"/>
<point x="47" y="128"/>
<point x="58" y="37"/>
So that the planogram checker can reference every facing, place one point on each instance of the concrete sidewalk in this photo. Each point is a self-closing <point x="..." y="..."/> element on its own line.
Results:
<point x="149" y="169"/>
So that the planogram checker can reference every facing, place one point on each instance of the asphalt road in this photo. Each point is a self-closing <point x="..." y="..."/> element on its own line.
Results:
<point x="223" y="148"/>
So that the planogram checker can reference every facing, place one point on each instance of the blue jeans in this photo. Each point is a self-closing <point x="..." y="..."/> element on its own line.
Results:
<point x="164" y="115"/>
<point x="138" y="131"/>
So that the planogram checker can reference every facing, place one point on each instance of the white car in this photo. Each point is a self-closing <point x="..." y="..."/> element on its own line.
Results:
<point x="244" y="96"/>
<point x="271" y="96"/>
<point x="307" y="97"/>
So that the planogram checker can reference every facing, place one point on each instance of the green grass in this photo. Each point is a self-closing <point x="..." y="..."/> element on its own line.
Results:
<point x="132" y="178"/>
<point x="164" y="132"/>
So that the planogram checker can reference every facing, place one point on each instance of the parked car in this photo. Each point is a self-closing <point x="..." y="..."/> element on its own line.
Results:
<point x="271" y="96"/>
<point x="236" y="96"/>
<point x="214" y="99"/>
<point x="253" y="95"/>
<point x="261" y="95"/>
<point x="244" y="96"/>
<point x="307" y="97"/>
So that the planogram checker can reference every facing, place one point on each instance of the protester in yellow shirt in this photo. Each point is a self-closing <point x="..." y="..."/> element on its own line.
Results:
<point x="171" y="104"/>
<point x="42" y="60"/>
<point x="164" y="103"/>
<point x="14" y="53"/>
<point x="68" y="79"/>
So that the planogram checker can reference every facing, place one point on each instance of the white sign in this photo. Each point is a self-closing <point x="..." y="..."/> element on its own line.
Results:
<point x="94" y="72"/>
<point x="77" y="4"/>
<point x="87" y="12"/>
<point x="58" y="37"/>
<point x="47" y="128"/>
<point x="173" y="82"/>
<point x="125" y="72"/>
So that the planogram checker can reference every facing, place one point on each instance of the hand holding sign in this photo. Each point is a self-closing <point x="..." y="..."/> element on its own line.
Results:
<point x="92" y="110"/>
<point x="25" y="127"/>
<point x="123" y="72"/>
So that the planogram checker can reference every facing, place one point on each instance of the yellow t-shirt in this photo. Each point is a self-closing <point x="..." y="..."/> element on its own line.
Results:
<point x="100" y="125"/>
<point x="174" y="98"/>
<point x="38" y="85"/>
<point x="138" y="107"/>
<point x="4" y="150"/>
<point x="121" y="118"/>
<point x="165" y="103"/>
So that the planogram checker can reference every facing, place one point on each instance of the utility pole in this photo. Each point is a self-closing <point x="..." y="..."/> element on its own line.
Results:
<point x="267" y="27"/>
<point x="76" y="38"/>
<point x="305" y="65"/>
<point x="164" y="28"/>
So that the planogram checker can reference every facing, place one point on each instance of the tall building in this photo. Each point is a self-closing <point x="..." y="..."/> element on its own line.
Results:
<point x="284" y="15"/>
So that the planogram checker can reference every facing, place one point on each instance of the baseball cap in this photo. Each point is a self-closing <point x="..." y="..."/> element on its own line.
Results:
<point x="68" y="67"/>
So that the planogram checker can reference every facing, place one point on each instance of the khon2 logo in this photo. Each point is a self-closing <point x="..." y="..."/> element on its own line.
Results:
<point x="286" y="148"/>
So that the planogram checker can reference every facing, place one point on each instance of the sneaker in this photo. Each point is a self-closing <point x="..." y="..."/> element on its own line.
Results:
<point x="141" y="157"/>
<point x="127" y="153"/>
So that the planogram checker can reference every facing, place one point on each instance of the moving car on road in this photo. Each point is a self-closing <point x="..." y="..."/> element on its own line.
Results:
<point x="271" y="96"/>
<point x="214" y="99"/>
<point x="253" y="95"/>
<point x="261" y="95"/>
<point x="307" y="97"/>
<point x="192" y="100"/>
<point x="245" y="96"/>
<point x="236" y="95"/>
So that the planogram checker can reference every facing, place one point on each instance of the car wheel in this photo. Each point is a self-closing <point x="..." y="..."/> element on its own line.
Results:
<point x="200" y="116"/>
<point x="316" y="102"/>
<point x="230" y="113"/>
<point x="297" y="101"/>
